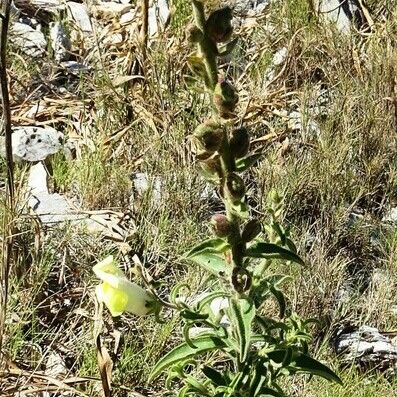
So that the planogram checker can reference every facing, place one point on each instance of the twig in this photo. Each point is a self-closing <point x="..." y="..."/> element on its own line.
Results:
<point x="7" y="228"/>
<point x="5" y="95"/>
<point x="144" y="30"/>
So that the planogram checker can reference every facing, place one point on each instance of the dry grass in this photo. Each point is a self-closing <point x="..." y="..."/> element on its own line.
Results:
<point x="350" y="164"/>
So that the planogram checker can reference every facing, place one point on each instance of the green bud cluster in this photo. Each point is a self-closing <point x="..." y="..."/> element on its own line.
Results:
<point x="219" y="144"/>
<point x="225" y="99"/>
<point x="219" y="25"/>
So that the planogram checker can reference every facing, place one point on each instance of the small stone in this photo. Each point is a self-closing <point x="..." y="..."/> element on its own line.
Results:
<point x="159" y="15"/>
<point x="60" y="42"/>
<point x="127" y="18"/>
<point x="34" y="143"/>
<point x="367" y="348"/>
<point x="296" y="123"/>
<point x="35" y="110"/>
<point x="278" y="59"/>
<point x="111" y="9"/>
<point x="74" y="67"/>
<point x="79" y="14"/>
<point x="390" y="216"/>
<point x="342" y="13"/>
<point x="32" y="42"/>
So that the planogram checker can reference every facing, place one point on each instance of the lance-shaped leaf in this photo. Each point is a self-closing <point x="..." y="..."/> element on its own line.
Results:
<point x="212" y="245"/>
<point x="212" y="263"/>
<point x="272" y="251"/>
<point x="303" y="363"/>
<point x="246" y="162"/>
<point x="242" y="313"/>
<point x="215" y="376"/>
<point x="185" y="352"/>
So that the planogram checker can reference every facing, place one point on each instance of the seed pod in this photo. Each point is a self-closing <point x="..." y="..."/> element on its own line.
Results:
<point x="211" y="169"/>
<point x="210" y="134"/>
<point x="235" y="188"/>
<point x="251" y="230"/>
<point x="193" y="33"/>
<point x="225" y="98"/>
<point x="221" y="225"/>
<point x="239" y="142"/>
<point x="219" y="25"/>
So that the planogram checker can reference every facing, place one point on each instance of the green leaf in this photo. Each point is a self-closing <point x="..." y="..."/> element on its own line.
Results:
<point x="192" y="315"/>
<point x="280" y="300"/>
<point x="272" y="251"/>
<point x="215" y="376"/>
<point x="266" y="392"/>
<point x="212" y="263"/>
<point x="185" y="352"/>
<point x="246" y="162"/>
<point x="241" y="210"/>
<point x="228" y="48"/>
<point x="213" y="245"/>
<point x="206" y="300"/>
<point x="196" y="65"/>
<point x="183" y="392"/>
<point x="196" y="385"/>
<point x="242" y="313"/>
<point x="305" y="363"/>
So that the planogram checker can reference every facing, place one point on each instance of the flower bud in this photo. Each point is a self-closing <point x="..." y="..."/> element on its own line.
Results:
<point x="211" y="168"/>
<point x="251" y="230"/>
<point x="221" y="225"/>
<point x="219" y="25"/>
<point x="193" y="33"/>
<point x="210" y="134"/>
<point x="239" y="142"/>
<point x="235" y="188"/>
<point x="225" y="98"/>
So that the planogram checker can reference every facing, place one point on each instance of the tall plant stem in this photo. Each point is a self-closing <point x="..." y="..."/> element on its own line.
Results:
<point x="8" y="214"/>
<point x="207" y="48"/>
<point x="209" y="53"/>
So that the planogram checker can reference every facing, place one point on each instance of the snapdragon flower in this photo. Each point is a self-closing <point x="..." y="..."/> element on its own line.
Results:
<point x="118" y="293"/>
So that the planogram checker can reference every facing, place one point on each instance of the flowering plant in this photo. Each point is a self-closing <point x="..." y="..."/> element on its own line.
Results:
<point x="234" y="345"/>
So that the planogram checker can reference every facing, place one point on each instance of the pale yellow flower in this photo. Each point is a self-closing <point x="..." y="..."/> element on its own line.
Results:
<point x="118" y="293"/>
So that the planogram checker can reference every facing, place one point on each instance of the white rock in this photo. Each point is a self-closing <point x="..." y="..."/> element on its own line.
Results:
<point x="143" y="185"/>
<point x="111" y="9"/>
<point x="368" y="348"/>
<point x="79" y="14"/>
<point x="334" y="12"/>
<point x="34" y="143"/>
<point x="51" y="208"/>
<point x="35" y="110"/>
<point x="32" y="42"/>
<point x="296" y="122"/>
<point x="127" y="18"/>
<point x="60" y="42"/>
<point x="47" y="5"/>
<point x="250" y="7"/>
<point x="278" y="59"/>
<point x="74" y="67"/>
<point x="390" y="216"/>
<point x="159" y="15"/>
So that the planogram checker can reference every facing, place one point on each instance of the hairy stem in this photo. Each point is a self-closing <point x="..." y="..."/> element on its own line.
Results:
<point x="209" y="52"/>
<point x="207" y="48"/>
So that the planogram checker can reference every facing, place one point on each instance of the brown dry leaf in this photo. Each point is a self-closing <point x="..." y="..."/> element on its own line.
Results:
<point x="105" y="364"/>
